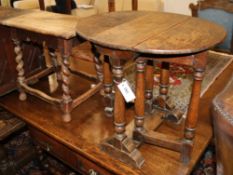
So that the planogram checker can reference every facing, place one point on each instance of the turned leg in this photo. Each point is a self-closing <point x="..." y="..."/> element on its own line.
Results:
<point x="20" y="69"/>
<point x="119" y="103"/>
<point x="109" y="98"/>
<point x="164" y="82"/>
<point x="161" y="100"/>
<point x="98" y="64"/>
<point x="140" y="99"/>
<point x="120" y="146"/>
<point x="56" y="61"/>
<point x="149" y="86"/>
<point x="66" y="98"/>
<point x="192" y="115"/>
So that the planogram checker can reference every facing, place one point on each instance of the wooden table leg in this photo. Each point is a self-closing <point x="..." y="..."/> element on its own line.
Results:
<point x="149" y="86"/>
<point x="140" y="99"/>
<point x="192" y="115"/>
<point x="164" y="82"/>
<point x="162" y="101"/>
<point x="66" y="97"/>
<point x="120" y="146"/>
<point x="20" y="69"/>
<point x="98" y="64"/>
<point x="109" y="97"/>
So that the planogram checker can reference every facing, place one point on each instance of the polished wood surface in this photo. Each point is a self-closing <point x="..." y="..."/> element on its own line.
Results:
<point x="85" y="132"/>
<point x="151" y="32"/>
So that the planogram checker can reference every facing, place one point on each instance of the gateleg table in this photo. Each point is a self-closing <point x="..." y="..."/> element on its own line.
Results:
<point x="156" y="36"/>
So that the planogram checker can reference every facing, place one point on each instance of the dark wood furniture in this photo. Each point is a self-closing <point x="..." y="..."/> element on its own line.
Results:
<point x="32" y="56"/>
<point x="151" y="36"/>
<point x="222" y="111"/>
<point x="78" y="143"/>
<point x="224" y="5"/>
<point x="58" y="32"/>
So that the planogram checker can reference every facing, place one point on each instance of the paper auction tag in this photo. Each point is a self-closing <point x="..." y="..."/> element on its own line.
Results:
<point x="126" y="91"/>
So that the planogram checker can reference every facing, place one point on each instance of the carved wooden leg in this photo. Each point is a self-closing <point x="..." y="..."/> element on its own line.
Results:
<point x="161" y="101"/>
<point x="149" y="86"/>
<point x="109" y="97"/>
<point x="98" y="64"/>
<point x="120" y="146"/>
<point x="164" y="82"/>
<point x="192" y="115"/>
<point x="140" y="99"/>
<point x="66" y="98"/>
<point x="56" y="62"/>
<point x="20" y="69"/>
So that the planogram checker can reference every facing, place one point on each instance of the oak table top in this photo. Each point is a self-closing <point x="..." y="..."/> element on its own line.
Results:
<point x="42" y="22"/>
<point x="151" y="32"/>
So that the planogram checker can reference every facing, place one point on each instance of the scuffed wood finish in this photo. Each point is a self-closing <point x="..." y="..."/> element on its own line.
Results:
<point x="77" y="142"/>
<point x="46" y="23"/>
<point x="222" y="110"/>
<point x="151" y="32"/>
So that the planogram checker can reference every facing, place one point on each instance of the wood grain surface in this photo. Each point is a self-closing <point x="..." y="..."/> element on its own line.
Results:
<point x="43" y="22"/>
<point x="151" y="32"/>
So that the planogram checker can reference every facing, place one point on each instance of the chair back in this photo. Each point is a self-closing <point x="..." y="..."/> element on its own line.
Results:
<point x="220" y="12"/>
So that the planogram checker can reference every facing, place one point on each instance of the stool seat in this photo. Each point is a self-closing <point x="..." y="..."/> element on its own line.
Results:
<point x="223" y="127"/>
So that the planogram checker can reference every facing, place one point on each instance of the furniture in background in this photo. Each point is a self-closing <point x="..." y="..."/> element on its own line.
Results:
<point x="222" y="111"/>
<point x="218" y="11"/>
<point x="58" y="36"/>
<point x="32" y="57"/>
<point x="92" y="7"/>
<point x="121" y="38"/>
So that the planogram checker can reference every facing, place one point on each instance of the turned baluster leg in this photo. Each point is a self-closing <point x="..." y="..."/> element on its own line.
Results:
<point x="119" y="102"/>
<point x="140" y="96"/>
<point x="56" y="61"/>
<point x="192" y="115"/>
<point x="67" y="100"/>
<point x="98" y="64"/>
<point x="120" y="146"/>
<point x="20" y="69"/>
<point x="149" y="77"/>
<point x="140" y="99"/>
<point x="164" y="82"/>
<point x="109" y="99"/>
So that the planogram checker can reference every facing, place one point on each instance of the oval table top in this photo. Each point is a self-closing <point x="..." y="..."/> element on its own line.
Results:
<point x="151" y="32"/>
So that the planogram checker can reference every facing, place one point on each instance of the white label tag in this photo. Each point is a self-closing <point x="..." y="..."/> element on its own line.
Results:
<point x="126" y="91"/>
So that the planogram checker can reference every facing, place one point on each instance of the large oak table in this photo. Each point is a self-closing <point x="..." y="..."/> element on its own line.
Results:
<point x="155" y="36"/>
